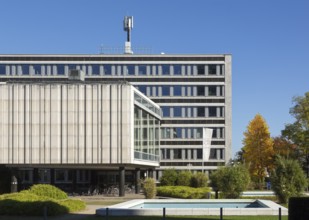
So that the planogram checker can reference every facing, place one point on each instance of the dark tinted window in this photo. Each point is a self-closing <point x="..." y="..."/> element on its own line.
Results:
<point x="200" y="90"/>
<point x="177" y="69"/>
<point x="201" y="70"/>
<point x="2" y="69"/>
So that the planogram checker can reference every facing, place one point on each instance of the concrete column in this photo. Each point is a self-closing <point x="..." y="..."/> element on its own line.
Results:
<point x="183" y="70"/>
<point x="121" y="181"/>
<point x="218" y="70"/>
<point x="137" y="180"/>
<point x="35" y="176"/>
<point x="14" y="182"/>
<point x="206" y="70"/>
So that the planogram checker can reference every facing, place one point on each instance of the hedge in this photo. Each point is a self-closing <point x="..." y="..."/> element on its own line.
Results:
<point x="183" y="192"/>
<point x="26" y="203"/>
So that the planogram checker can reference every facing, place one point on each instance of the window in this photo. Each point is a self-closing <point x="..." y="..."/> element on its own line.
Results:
<point x="177" y="154"/>
<point x="200" y="90"/>
<point x="212" y="90"/>
<point x="24" y="69"/>
<point x="214" y="133"/>
<point x="176" y="132"/>
<point x="165" y="111"/>
<point x="165" y="70"/>
<point x="107" y="70"/>
<point x="142" y="70"/>
<point x="44" y="175"/>
<point x="60" y="176"/>
<point x="212" y="111"/>
<point x="177" y="90"/>
<point x="60" y="69"/>
<point x="130" y="70"/>
<point x="177" y="69"/>
<point x="168" y="153"/>
<point x="165" y="90"/>
<point x="177" y="111"/>
<point x="200" y="111"/>
<point x="96" y="69"/>
<point x="142" y="89"/>
<point x="199" y="154"/>
<point x="200" y="70"/>
<point x="199" y="132"/>
<point x="2" y="69"/>
<point x="213" y="154"/>
<point x="212" y="69"/>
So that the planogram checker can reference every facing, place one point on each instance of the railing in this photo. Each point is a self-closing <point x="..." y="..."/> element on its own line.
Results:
<point x="144" y="156"/>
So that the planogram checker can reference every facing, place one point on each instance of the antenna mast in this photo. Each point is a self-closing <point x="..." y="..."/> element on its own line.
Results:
<point x="128" y="26"/>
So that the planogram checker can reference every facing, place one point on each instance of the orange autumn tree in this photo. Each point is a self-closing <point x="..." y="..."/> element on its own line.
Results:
<point x="258" y="149"/>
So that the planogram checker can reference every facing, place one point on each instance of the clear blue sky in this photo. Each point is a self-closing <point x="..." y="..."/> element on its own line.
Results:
<point x="269" y="41"/>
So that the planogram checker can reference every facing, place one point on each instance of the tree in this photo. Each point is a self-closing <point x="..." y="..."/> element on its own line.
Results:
<point x="149" y="187"/>
<point x="288" y="179"/>
<point x="199" y="179"/>
<point x="169" y="177"/>
<point x="285" y="148"/>
<point x="298" y="132"/>
<point x="231" y="180"/>
<point x="258" y="149"/>
<point x="184" y="178"/>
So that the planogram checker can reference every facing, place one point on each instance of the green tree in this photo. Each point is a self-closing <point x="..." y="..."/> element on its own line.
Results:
<point x="298" y="132"/>
<point x="169" y="177"/>
<point x="199" y="179"/>
<point x="184" y="178"/>
<point x="288" y="179"/>
<point x="149" y="186"/>
<point x="258" y="149"/>
<point x="230" y="180"/>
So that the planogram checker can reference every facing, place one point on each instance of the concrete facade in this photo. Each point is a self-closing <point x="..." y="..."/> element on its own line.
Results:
<point x="193" y="91"/>
<point x="75" y="123"/>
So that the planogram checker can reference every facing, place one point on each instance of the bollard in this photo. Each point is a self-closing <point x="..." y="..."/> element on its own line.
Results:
<point x="221" y="213"/>
<point x="45" y="212"/>
<point x="164" y="213"/>
<point x="279" y="213"/>
<point x="106" y="214"/>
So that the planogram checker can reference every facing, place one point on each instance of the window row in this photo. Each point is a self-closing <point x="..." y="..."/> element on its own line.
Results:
<point x="190" y="133"/>
<point x="171" y="90"/>
<point x="110" y="69"/>
<point x="60" y="176"/>
<point x="190" y="154"/>
<point x="192" y="112"/>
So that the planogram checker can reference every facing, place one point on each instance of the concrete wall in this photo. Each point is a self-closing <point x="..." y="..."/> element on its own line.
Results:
<point x="66" y="123"/>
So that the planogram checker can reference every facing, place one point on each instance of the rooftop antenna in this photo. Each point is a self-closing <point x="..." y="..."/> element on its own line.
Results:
<point x="128" y="26"/>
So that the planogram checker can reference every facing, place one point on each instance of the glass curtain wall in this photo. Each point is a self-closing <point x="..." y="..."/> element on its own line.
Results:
<point x="146" y="135"/>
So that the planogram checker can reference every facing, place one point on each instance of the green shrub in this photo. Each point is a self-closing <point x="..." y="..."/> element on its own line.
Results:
<point x="288" y="179"/>
<point x="149" y="187"/>
<point x="199" y="180"/>
<point x="29" y="205"/>
<point x="169" y="177"/>
<point x="298" y="208"/>
<point x="73" y="205"/>
<point x="48" y="191"/>
<point x="26" y="203"/>
<point x="184" y="178"/>
<point x="231" y="181"/>
<point x="184" y="192"/>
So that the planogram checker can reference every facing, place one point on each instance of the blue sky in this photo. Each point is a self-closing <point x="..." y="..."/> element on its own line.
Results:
<point x="269" y="41"/>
